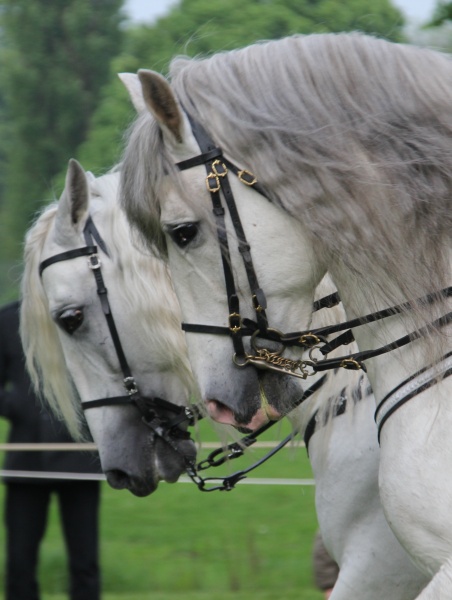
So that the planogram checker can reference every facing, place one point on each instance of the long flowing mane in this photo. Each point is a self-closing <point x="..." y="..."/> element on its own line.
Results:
<point x="350" y="133"/>
<point x="148" y="296"/>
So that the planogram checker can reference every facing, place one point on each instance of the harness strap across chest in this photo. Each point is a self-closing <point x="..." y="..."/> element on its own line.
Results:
<point x="410" y="388"/>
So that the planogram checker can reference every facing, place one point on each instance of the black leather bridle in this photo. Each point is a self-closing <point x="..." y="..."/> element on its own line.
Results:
<point x="166" y="419"/>
<point x="218" y="168"/>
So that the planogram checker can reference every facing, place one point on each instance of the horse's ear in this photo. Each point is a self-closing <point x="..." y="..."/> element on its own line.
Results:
<point x="133" y="86"/>
<point x="74" y="202"/>
<point x="161" y="102"/>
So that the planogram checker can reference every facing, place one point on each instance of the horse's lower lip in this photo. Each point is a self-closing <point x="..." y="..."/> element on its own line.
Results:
<point x="120" y="480"/>
<point x="221" y="413"/>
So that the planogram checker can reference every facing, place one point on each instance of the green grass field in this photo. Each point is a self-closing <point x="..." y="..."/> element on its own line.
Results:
<point x="180" y="544"/>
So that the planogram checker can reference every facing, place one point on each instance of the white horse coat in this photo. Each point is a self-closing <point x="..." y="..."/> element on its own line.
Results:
<point x="343" y="453"/>
<point x="352" y="136"/>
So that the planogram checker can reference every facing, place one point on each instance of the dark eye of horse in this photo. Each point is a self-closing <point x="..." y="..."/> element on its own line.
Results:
<point x="70" y="319"/>
<point x="183" y="234"/>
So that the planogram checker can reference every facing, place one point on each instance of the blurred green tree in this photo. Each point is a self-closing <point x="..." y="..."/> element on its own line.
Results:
<point x="54" y="61"/>
<point x="441" y="14"/>
<point x="195" y="27"/>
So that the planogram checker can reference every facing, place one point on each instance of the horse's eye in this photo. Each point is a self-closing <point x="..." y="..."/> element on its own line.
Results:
<point x="70" y="319"/>
<point x="183" y="234"/>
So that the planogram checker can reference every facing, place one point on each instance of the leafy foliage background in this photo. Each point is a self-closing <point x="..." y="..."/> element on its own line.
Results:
<point x="60" y="96"/>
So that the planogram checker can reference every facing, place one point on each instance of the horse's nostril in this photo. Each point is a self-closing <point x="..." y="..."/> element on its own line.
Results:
<point x="118" y="479"/>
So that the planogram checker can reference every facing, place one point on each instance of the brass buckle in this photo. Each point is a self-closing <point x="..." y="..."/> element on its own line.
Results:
<point x="246" y="177"/>
<point x="235" y="322"/>
<point x="219" y="168"/>
<point x="212" y="183"/>
<point x="351" y="363"/>
<point x="257" y="307"/>
<point x="309" y="340"/>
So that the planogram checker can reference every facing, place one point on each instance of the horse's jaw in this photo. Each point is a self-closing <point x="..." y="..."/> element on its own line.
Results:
<point x="138" y="485"/>
<point x="172" y="462"/>
<point x="167" y="464"/>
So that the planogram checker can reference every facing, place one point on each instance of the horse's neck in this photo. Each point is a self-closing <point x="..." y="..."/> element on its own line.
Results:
<point x="387" y="371"/>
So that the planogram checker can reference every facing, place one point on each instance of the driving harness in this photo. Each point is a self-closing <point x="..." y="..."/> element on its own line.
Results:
<point x="167" y="420"/>
<point x="217" y="168"/>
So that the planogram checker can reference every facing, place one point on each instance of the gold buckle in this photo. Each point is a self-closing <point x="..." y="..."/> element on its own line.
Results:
<point x="257" y="307"/>
<point x="245" y="173"/>
<point x="351" y="363"/>
<point x="235" y="317"/>
<point x="212" y="183"/>
<point x="219" y="168"/>
<point x="309" y="340"/>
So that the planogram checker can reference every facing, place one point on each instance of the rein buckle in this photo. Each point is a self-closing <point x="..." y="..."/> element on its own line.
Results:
<point x="351" y="364"/>
<point x="309" y="340"/>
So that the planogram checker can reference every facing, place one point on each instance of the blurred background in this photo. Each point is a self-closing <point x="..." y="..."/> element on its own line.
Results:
<point x="60" y="98"/>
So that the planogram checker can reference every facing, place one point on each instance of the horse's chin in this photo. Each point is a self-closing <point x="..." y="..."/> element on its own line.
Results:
<point x="171" y="463"/>
<point x="137" y="485"/>
<point x="274" y="398"/>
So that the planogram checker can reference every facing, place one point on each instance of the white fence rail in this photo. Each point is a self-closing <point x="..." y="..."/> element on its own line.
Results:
<point x="25" y="447"/>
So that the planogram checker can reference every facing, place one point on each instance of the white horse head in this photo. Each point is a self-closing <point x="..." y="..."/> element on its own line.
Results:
<point x="232" y="395"/>
<point x="343" y="136"/>
<point x="272" y="109"/>
<point x="68" y="345"/>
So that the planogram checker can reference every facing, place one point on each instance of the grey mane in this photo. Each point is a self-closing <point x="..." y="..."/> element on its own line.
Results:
<point x="350" y="133"/>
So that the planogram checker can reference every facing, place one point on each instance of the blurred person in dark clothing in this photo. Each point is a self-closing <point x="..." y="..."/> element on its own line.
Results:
<point x="27" y="499"/>
<point x="325" y="568"/>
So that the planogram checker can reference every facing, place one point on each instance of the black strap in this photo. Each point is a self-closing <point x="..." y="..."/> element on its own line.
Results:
<point x="201" y="159"/>
<point x="68" y="255"/>
<point x="376" y="316"/>
<point x="218" y="179"/>
<point x="410" y="395"/>
<point x="355" y="361"/>
<point x="180" y="414"/>
<point x="327" y="301"/>
<point x="89" y="233"/>
<point x="113" y="401"/>
<point x="209" y="150"/>
<point x="310" y="430"/>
